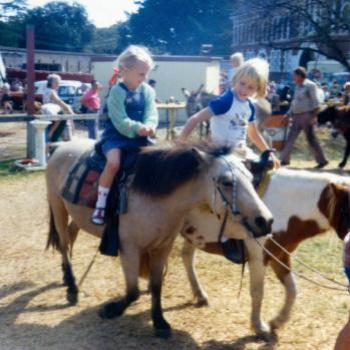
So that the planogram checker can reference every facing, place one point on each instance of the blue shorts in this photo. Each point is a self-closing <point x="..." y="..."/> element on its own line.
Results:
<point x="108" y="144"/>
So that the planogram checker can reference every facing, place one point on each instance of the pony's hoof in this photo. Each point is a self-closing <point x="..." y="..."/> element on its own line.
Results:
<point x="341" y="165"/>
<point x="201" y="302"/>
<point x="262" y="329"/>
<point x="72" y="298"/>
<point x="111" y="310"/>
<point x="163" y="333"/>
<point x="278" y="322"/>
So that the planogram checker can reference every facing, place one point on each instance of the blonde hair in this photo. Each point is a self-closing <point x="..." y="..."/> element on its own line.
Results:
<point x="134" y="54"/>
<point x="238" y="58"/>
<point x="256" y="70"/>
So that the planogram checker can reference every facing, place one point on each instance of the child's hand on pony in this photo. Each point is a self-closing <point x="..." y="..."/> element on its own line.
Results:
<point x="146" y="130"/>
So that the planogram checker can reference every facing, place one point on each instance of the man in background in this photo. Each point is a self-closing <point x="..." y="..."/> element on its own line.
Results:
<point x="303" y="113"/>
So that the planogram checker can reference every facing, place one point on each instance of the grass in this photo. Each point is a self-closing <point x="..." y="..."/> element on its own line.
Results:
<point x="7" y="170"/>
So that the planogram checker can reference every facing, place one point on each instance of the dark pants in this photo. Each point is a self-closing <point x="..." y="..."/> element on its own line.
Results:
<point x="91" y="126"/>
<point x="303" y="121"/>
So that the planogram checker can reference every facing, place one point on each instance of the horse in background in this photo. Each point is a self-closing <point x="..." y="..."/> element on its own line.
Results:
<point x="304" y="204"/>
<point x="339" y="118"/>
<point x="199" y="99"/>
<point x="195" y="101"/>
<point x="168" y="183"/>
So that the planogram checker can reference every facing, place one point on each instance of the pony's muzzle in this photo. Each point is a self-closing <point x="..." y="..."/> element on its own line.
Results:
<point x="263" y="225"/>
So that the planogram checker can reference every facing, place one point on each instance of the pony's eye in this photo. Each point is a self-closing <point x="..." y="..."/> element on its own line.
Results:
<point x="227" y="183"/>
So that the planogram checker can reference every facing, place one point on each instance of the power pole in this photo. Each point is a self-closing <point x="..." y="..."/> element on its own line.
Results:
<point x="30" y="89"/>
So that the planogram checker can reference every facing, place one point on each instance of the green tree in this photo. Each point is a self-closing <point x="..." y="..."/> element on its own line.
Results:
<point x="324" y="23"/>
<point x="60" y="26"/>
<point x="105" y="40"/>
<point x="181" y="26"/>
<point x="12" y="8"/>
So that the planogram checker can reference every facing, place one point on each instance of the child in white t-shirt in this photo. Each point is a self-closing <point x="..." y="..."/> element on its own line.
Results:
<point x="232" y="114"/>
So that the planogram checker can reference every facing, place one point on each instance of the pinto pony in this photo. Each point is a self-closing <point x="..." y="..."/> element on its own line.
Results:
<point x="304" y="204"/>
<point x="339" y="117"/>
<point x="168" y="183"/>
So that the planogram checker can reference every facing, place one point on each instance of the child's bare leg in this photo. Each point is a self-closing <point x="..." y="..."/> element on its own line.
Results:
<point x="109" y="172"/>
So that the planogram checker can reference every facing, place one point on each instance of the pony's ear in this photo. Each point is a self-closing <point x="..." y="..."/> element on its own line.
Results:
<point x="199" y="89"/>
<point x="185" y="92"/>
<point x="201" y="157"/>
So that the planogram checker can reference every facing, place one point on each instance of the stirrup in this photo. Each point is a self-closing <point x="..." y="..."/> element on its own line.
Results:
<point x="98" y="216"/>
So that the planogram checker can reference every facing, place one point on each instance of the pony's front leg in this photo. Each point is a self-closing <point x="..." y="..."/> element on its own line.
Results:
<point x="287" y="279"/>
<point x="257" y="274"/>
<point x="158" y="260"/>
<point x="130" y="259"/>
<point x="188" y="254"/>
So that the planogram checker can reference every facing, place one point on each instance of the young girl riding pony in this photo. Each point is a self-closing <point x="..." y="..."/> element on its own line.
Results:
<point x="232" y="114"/>
<point x="133" y="117"/>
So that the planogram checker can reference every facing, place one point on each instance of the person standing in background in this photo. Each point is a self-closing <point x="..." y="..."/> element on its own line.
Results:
<point x="302" y="112"/>
<point x="346" y="94"/>
<point x="236" y="60"/>
<point x="92" y="102"/>
<point x="152" y="83"/>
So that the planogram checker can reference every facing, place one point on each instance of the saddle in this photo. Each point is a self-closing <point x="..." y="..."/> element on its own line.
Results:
<point x="82" y="185"/>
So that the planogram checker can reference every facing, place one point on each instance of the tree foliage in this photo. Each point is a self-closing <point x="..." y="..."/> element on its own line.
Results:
<point x="58" y="26"/>
<point x="181" y="26"/>
<point x="323" y="23"/>
<point x="10" y="8"/>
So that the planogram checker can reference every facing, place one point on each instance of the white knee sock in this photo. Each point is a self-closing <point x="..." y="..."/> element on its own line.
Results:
<point x="102" y="197"/>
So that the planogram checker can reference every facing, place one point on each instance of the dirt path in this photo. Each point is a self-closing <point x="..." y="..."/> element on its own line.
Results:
<point x="34" y="315"/>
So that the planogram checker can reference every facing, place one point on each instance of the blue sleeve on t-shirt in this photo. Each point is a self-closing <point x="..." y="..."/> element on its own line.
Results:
<point x="221" y="104"/>
<point x="253" y="110"/>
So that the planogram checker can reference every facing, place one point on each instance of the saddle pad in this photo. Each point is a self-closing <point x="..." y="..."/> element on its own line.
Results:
<point x="82" y="183"/>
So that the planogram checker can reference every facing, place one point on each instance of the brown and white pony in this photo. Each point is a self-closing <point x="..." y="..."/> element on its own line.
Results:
<point x="168" y="183"/>
<point x="304" y="204"/>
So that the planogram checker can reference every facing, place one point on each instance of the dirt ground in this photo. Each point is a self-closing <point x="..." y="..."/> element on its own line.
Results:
<point x="34" y="314"/>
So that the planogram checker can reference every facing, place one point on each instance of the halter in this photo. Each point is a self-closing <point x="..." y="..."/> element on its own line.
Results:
<point x="228" y="205"/>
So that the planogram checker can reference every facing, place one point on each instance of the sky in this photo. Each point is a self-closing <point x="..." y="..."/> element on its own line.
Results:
<point x="102" y="15"/>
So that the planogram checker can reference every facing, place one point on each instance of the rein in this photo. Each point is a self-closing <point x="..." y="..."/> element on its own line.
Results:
<point x="234" y="211"/>
<point x="343" y="287"/>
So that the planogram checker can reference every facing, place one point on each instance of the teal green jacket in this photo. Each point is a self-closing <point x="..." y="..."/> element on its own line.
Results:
<point x="119" y="117"/>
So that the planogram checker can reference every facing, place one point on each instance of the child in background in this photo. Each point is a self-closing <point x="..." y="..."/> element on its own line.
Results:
<point x="232" y="114"/>
<point x="132" y="118"/>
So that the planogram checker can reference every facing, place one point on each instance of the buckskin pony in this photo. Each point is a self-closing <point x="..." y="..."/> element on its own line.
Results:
<point x="168" y="183"/>
<point x="304" y="204"/>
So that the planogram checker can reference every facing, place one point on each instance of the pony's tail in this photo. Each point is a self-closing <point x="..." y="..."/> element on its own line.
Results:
<point x="145" y="270"/>
<point x="144" y="265"/>
<point x="53" y="239"/>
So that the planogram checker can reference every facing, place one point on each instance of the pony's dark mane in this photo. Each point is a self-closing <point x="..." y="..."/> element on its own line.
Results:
<point x="160" y="171"/>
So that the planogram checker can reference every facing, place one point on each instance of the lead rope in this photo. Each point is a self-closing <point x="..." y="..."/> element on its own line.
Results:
<point x="306" y="265"/>
<point x="297" y="273"/>
<point x="82" y="279"/>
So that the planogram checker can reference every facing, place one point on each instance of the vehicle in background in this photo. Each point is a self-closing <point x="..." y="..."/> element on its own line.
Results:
<point x="21" y="74"/>
<point x="70" y="91"/>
